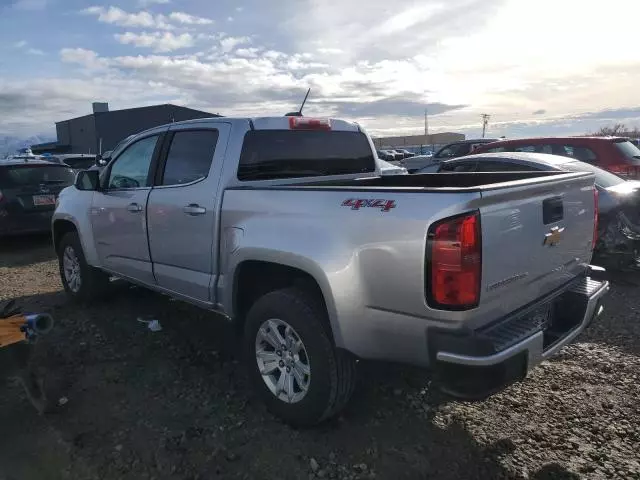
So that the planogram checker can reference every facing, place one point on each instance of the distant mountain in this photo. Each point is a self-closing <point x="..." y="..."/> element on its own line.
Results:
<point x="9" y="144"/>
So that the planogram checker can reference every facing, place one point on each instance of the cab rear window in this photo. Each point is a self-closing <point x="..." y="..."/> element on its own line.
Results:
<point x="272" y="154"/>
<point x="19" y="175"/>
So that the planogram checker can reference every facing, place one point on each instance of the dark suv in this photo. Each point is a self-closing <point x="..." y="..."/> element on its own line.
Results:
<point x="28" y="192"/>
<point x="461" y="148"/>
<point x="616" y="154"/>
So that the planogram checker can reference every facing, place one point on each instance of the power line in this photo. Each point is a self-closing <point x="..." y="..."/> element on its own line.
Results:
<point x="485" y="122"/>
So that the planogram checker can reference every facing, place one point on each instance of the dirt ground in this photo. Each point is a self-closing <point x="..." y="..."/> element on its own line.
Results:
<point x="174" y="404"/>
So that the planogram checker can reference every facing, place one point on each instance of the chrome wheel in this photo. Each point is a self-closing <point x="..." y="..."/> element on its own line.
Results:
<point x="282" y="360"/>
<point x="71" y="267"/>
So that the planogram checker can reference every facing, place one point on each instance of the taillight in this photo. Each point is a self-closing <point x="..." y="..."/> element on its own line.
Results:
<point x="304" y="123"/>
<point x="595" y="218"/>
<point x="454" y="262"/>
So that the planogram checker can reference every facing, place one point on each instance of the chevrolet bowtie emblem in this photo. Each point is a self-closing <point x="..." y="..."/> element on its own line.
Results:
<point x="553" y="237"/>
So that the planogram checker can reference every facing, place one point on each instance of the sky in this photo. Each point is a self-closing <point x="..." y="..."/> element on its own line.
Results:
<point x="538" y="67"/>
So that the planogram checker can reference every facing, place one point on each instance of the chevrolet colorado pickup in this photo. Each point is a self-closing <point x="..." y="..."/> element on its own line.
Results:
<point x="285" y="227"/>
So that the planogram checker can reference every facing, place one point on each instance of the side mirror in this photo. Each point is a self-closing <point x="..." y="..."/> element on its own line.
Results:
<point x="88" y="180"/>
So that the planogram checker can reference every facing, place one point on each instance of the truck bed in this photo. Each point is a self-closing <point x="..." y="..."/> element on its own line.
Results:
<point x="365" y="241"/>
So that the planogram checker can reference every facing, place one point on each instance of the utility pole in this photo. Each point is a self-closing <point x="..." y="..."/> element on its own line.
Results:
<point x="485" y="123"/>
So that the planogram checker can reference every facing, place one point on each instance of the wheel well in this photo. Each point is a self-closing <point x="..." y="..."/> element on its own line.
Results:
<point x="60" y="229"/>
<point x="253" y="279"/>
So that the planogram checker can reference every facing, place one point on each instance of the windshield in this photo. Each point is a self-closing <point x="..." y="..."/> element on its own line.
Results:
<point x="604" y="179"/>
<point x="18" y="175"/>
<point x="629" y="150"/>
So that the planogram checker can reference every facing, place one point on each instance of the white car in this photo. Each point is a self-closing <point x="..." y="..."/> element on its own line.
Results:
<point x="387" y="168"/>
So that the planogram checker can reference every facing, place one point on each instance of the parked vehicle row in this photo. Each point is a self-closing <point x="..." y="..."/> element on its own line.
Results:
<point x="286" y="228"/>
<point x="615" y="154"/>
<point x="28" y="192"/>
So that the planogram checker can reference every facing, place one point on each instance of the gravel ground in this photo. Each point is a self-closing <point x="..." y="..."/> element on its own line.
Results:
<point x="175" y="405"/>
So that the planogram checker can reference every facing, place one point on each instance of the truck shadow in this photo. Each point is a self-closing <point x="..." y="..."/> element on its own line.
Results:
<point x="175" y="404"/>
<point x="24" y="250"/>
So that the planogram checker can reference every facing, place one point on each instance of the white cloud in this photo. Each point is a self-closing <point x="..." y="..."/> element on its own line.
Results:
<point x="35" y="51"/>
<point x="186" y="19"/>
<point x="229" y="43"/>
<point x="330" y="51"/>
<point x="147" y="3"/>
<point x="247" y="52"/>
<point x="117" y="16"/>
<point x="229" y="19"/>
<point x="87" y="58"/>
<point x="158" y="41"/>
<point x="20" y="44"/>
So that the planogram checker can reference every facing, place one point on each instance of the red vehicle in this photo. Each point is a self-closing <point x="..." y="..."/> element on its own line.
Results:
<point x="616" y="154"/>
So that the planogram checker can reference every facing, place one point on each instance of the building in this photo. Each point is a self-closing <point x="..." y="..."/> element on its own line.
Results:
<point x="101" y="130"/>
<point x="416" y="142"/>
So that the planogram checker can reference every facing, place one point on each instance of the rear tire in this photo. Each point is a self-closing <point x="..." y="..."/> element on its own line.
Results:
<point x="82" y="282"/>
<point x="331" y="376"/>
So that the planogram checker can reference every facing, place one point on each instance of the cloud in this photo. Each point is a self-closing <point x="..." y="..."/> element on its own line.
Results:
<point x="148" y="3"/>
<point x="87" y="58"/>
<point x="186" y="19"/>
<point x="540" y="112"/>
<point x="158" y="41"/>
<point x="117" y="16"/>
<point x="229" y="43"/>
<point x="23" y="44"/>
<point x="391" y="107"/>
<point x="247" y="52"/>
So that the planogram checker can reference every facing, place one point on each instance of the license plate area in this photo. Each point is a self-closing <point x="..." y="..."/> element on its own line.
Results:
<point x="42" y="200"/>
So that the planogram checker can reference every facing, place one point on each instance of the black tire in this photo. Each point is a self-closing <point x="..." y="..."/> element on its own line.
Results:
<point x="94" y="282"/>
<point x="333" y="371"/>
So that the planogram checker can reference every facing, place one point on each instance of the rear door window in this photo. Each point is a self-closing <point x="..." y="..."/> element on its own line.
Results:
<point x="17" y="176"/>
<point x="271" y="154"/>
<point x="190" y="156"/>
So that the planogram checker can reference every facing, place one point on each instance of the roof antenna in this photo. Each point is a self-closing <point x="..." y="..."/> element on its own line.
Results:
<point x="299" y="112"/>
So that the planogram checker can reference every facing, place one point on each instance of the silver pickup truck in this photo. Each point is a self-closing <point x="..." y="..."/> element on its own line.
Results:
<point x="285" y="227"/>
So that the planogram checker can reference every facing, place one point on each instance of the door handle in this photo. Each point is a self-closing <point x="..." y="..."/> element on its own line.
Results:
<point x="194" y="209"/>
<point x="134" y="208"/>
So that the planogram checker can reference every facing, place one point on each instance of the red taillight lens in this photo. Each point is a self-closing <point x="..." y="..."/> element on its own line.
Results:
<point x="454" y="262"/>
<point x="595" y="218"/>
<point x="304" y="123"/>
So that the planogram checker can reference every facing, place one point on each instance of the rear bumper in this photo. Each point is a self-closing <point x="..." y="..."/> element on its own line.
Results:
<point x="480" y="363"/>
<point x="23" y="223"/>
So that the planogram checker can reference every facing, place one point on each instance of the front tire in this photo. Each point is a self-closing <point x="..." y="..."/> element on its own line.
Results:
<point x="82" y="282"/>
<point x="293" y="364"/>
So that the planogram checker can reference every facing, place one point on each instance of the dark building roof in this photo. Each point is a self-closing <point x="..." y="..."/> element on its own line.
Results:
<point x="103" y="129"/>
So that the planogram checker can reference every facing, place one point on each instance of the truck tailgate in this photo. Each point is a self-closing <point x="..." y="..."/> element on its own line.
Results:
<point x="535" y="238"/>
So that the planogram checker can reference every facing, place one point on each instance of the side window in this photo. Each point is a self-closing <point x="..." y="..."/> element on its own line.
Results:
<point x="496" y="150"/>
<point x="190" y="156"/>
<point x="524" y="148"/>
<point x="584" y="154"/>
<point x="131" y="168"/>
<point x="458" y="167"/>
